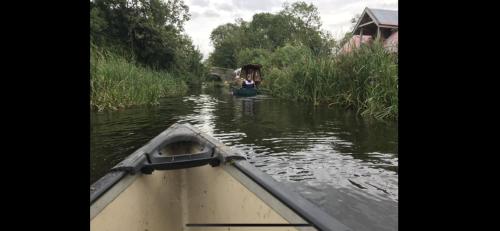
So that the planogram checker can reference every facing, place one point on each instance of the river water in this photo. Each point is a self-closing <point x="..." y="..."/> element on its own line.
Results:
<point x="345" y="164"/>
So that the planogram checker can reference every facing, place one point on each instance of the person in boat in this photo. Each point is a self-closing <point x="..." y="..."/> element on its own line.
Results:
<point x="248" y="83"/>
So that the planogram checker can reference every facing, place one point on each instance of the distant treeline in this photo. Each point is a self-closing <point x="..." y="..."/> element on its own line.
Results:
<point x="297" y="24"/>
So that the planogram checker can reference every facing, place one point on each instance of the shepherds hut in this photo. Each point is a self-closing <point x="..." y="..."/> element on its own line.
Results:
<point x="252" y="71"/>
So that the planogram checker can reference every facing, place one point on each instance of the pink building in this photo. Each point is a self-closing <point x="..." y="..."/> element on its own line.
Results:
<point x="355" y="42"/>
<point x="391" y="43"/>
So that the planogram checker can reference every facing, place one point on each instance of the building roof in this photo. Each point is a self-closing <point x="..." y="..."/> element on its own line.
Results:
<point x="385" y="17"/>
<point x="382" y="18"/>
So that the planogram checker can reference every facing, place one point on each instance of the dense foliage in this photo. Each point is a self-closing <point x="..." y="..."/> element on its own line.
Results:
<point x="298" y="23"/>
<point x="146" y="35"/>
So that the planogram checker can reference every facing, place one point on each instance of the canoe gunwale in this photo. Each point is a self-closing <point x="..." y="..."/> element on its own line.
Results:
<point x="111" y="192"/>
<point x="101" y="186"/>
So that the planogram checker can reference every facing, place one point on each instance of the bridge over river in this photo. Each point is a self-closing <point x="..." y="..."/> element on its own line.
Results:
<point x="220" y="73"/>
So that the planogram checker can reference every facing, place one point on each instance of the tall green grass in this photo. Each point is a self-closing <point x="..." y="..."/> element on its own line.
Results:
<point x="118" y="82"/>
<point x="365" y="80"/>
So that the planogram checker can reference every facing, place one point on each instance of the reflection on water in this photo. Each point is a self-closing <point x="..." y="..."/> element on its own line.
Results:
<point x="344" y="164"/>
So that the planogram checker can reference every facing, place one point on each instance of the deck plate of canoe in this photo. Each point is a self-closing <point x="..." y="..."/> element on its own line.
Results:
<point x="184" y="179"/>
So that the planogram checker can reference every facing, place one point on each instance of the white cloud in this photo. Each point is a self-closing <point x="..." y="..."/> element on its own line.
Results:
<point x="200" y="2"/>
<point x="225" y="7"/>
<point x="335" y="15"/>
<point x="210" y="13"/>
<point x="194" y="15"/>
<point x="256" y="4"/>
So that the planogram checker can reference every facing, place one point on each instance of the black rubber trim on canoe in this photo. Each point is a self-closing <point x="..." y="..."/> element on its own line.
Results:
<point x="104" y="184"/>
<point x="180" y="164"/>
<point x="247" y="225"/>
<point x="309" y="212"/>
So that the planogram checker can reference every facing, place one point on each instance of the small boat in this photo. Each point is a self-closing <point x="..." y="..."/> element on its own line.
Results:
<point x="245" y="92"/>
<point x="184" y="179"/>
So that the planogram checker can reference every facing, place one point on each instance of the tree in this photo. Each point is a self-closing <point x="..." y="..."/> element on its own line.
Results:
<point x="149" y="29"/>
<point x="269" y="31"/>
<point x="223" y="33"/>
<point x="98" y="24"/>
<point x="227" y="40"/>
<point x="305" y="25"/>
<point x="306" y="15"/>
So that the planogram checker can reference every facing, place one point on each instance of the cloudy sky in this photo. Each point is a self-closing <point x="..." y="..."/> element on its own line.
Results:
<point x="206" y="15"/>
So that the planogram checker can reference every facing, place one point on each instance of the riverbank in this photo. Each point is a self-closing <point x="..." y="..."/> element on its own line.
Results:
<point x="365" y="80"/>
<point x="117" y="82"/>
